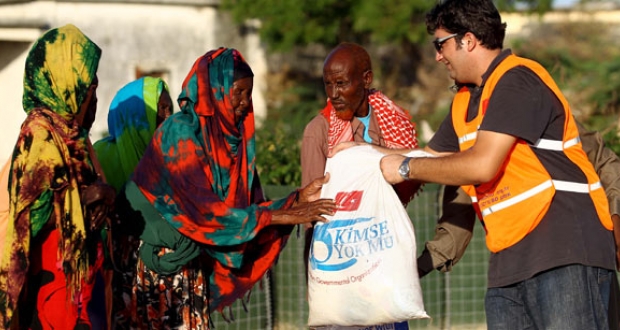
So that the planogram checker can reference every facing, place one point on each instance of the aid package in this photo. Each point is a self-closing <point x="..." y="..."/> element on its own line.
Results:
<point x="362" y="268"/>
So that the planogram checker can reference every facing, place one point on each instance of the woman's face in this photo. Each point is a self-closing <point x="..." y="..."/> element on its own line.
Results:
<point x="242" y="97"/>
<point x="164" y="107"/>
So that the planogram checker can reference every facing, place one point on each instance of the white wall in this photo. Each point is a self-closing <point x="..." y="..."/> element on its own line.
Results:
<point x="145" y="36"/>
<point x="11" y="88"/>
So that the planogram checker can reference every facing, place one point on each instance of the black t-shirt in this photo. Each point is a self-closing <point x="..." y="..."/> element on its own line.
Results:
<point x="570" y="233"/>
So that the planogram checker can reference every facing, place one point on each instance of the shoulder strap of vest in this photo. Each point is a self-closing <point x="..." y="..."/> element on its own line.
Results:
<point x="513" y="61"/>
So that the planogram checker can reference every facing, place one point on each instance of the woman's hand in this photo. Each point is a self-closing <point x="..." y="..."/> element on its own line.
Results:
<point x="308" y="208"/>
<point x="305" y="213"/>
<point x="98" y="202"/>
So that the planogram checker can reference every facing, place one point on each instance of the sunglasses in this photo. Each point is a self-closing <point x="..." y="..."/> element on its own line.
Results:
<point x="439" y="42"/>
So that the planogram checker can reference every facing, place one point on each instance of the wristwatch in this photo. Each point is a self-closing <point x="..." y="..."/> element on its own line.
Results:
<point x="403" y="170"/>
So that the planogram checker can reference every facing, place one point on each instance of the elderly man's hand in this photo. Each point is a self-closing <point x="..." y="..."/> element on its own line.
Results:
<point x="342" y="146"/>
<point x="389" y="168"/>
<point x="312" y="191"/>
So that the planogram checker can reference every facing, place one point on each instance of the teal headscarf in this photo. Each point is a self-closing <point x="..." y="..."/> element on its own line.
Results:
<point x="199" y="172"/>
<point x="131" y="124"/>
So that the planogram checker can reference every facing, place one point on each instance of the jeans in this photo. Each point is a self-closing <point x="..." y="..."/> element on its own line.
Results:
<point x="564" y="298"/>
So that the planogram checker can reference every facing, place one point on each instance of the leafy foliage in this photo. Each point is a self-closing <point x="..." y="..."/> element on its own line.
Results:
<point x="278" y="141"/>
<point x="277" y="156"/>
<point x="538" y="6"/>
<point x="612" y="140"/>
<point x="584" y="59"/>
<point x="605" y="97"/>
<point x="286" y="24"/>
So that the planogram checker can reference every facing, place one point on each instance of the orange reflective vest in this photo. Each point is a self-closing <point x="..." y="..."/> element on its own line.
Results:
<point x="515" y="201"/>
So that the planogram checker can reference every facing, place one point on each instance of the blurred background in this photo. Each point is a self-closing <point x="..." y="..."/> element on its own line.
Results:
<point x="285" y="42"/>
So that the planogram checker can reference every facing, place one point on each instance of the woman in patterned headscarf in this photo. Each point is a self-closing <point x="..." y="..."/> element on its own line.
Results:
<point x="136" y="111"/>
<point x="198" y="191"/>
<point x="53" y="249"/>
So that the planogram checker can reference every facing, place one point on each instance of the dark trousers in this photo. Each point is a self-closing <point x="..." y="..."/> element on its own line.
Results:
<point x="614" y="305"/>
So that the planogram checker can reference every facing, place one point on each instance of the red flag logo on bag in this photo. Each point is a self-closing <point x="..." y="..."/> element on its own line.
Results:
<point x="349" y="200"/>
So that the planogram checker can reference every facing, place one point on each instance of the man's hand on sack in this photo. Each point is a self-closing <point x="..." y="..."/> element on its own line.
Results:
<point x="389" y="168"/>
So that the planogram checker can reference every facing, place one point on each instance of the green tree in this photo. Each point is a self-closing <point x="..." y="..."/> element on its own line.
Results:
<point x="538" y="6"/>
<point x="285" y="24"/>
<point x="278" y="143"/>
<point x="397" y="26"/>
<point x="277" y="156"/>
<point x="584" y="59"/>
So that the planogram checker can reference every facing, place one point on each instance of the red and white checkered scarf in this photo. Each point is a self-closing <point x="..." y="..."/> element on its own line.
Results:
<point x="394" y="122"/>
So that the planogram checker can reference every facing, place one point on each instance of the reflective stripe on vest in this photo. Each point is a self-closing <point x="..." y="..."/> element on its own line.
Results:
<point x="468" y="137"/>
<point x="512" y="204"/>
<point x="558" y="184"/>
<point x="555" y="144"/>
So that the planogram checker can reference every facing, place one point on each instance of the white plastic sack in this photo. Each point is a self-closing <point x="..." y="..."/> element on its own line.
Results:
<point x="362" y="267"/>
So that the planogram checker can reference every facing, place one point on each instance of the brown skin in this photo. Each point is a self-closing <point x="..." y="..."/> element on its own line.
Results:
<point x="347" y="77"/>
<point x="242" y="97"/>
<point x="98" y="198"/>
<point x="164" y="107"/>
<point x="308" y="207"/>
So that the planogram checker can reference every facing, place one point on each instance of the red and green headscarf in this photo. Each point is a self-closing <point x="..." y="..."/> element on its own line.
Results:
<point x="199" y="173"/>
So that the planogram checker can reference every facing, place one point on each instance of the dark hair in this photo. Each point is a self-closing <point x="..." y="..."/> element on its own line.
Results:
<point x="479" y="17"/>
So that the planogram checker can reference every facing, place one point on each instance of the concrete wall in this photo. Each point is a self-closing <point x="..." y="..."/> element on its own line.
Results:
<point x="12" y="59"/>
<point x="164" y="37"/>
